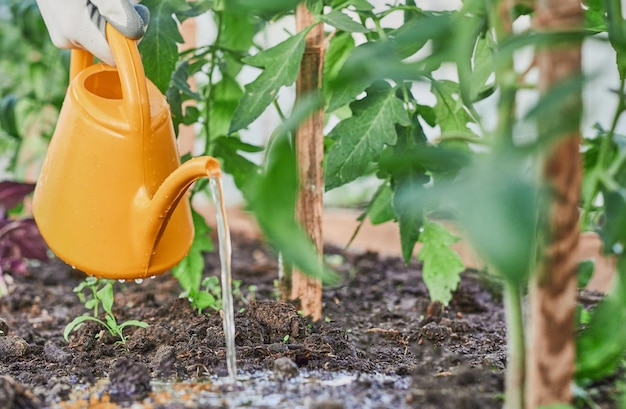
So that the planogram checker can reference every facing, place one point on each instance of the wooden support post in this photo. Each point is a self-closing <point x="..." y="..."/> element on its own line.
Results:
<point x="552" y="293"/>
<point x="310" y="153"/>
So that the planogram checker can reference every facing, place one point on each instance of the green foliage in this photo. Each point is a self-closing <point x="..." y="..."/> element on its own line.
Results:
<point x="380" y="121"/>
<point x="33" y="79"/>
<point x="159" y="45"/>
<point x="281" y="64"/>
<point x="276" y="213"/>
<point x="189" y="271"/>
<point x="101" y="295"/>
<point x="442" y="265"/>
<point x="360" y="139"/>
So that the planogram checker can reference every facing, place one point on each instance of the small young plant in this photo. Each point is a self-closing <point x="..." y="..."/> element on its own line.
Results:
<point x="101" y="294"/>
<point x="211" y="297"/>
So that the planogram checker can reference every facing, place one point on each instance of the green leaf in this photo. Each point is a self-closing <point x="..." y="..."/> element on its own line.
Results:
<point x="600" y="347"/>
<point x="265" y="8"/>
<point x="237" y="37"/>
<point x="8" y="120"/>
<point x="410" y="217"/>
<point x="226" y="95"/>
<point x="595" y="18"/>
<point x="193" y="9"/>
<point x="189" y="271"/>
<point x="178" y="92"/>
<point x="133" y="323"/>
<point x="243" y="170"/>
<point x="452" y="116"/>
<point x="39" y="79"/>
<point x="159" y="45"/>
<point x="111" y="324"/>
<point x="360" y="139"/>
<point x="499" y="208"/>
<point x="427" y="113"/>
<point x="91" y="304"/>
<point x="343" y="22"/>
<point x="406" y="40"/>
<point x="349" y="83"/>
<point x="76" y="322"/>
<point x="484" y="63"/>
<point x="617" y="33"/>
<point x="338" y="51"/>
<point x="442" y="265"/>
<point x="281" y="63"/>
<point x="359" y="5"/>
<point x="105" y="295"/>
<point x="274" y="200"/>
<point x="315" y="7"/>
<point x="405" y="163"/>
<point x="380" y="209"/>
<point x="204" y="300"/>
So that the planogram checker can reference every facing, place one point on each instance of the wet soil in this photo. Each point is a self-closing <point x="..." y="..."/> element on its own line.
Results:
<point x="381" y="343"/>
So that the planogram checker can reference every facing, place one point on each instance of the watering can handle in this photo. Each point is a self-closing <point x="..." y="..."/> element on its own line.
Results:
<point x="132" y="76"/>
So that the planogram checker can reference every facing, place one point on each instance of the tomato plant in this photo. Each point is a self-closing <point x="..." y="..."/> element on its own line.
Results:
<point x="426" y="103"/>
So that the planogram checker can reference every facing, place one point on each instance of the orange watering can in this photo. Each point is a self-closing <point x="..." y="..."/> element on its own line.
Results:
<point x="111" y="196"/>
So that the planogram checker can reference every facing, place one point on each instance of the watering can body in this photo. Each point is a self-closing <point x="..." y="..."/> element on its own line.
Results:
<point x="110" y="199"/>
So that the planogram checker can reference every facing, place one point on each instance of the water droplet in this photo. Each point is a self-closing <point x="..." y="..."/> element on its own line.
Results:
<point x="73" y="267"/>
<point x="139" y="280"/>
<point x="121" y="280"/>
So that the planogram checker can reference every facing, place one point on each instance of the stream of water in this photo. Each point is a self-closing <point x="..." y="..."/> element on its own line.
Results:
<point x="225" y="250"/>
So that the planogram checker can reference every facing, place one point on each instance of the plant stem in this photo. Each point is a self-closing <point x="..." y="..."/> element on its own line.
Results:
<point x="506" y="79"/>
<point x="209" y="95"/>
<point x="505" y="75"/>
<point x="514" y="381"/>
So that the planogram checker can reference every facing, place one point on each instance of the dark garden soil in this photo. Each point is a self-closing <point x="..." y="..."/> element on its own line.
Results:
<point x="381" y="344"/>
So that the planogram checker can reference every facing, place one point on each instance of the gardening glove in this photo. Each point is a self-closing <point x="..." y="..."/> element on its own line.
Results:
<point x="81" y="23"/>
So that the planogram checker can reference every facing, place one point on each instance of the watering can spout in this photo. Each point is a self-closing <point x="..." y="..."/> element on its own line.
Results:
<point x="153" y="214"/>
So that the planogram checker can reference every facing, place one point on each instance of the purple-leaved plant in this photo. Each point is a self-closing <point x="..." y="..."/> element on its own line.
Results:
<point x="19" y="237"/>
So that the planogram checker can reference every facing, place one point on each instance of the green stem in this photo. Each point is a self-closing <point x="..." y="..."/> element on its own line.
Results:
<point x="209" y="95"/>
<point x="514" y="381"/>
<point x="506" y="80"/>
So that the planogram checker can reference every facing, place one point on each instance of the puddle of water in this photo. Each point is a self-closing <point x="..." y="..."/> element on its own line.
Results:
<point x="225" y="251"/>
<point x="261" y="390"/>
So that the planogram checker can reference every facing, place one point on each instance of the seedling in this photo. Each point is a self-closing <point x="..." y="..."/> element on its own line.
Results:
<point x="252" y="290"/>
<point x="103" y="296"/>
<point x="212" y="293"/>
<point x="91" y="300"/>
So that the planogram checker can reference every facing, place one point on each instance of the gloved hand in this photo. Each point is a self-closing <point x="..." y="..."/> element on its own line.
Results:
<point x="81" y="23"/>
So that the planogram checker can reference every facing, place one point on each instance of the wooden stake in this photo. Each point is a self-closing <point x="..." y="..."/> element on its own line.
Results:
<point x="552" y="293"/>
<point x="310" y="153"/>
